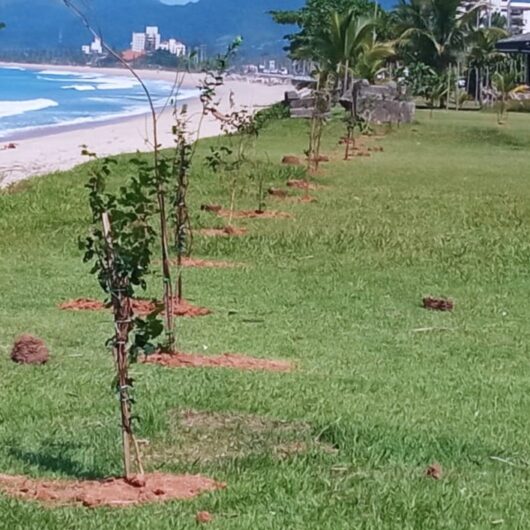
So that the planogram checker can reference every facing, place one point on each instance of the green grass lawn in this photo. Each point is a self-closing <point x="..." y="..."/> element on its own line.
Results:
<point x="444" y="210"/>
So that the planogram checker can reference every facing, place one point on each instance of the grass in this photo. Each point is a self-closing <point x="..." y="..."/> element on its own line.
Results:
<point x="443" y="211"/>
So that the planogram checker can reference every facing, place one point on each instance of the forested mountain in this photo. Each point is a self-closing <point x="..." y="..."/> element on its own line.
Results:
<point x="47" y="24"/>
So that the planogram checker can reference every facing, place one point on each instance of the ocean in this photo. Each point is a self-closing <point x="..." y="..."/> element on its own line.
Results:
<point x="33" y="99"/>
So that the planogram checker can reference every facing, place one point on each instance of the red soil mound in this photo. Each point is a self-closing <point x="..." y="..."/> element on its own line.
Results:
<point x="239" y="362"/>
<point x="276" y="192"/>
<point x="438" y="304"/>
<point x="320" y="158"/>
<point x="228" y="231"/>
<point x="211" y="208"/>
<point x="290" y="160"/>
<point x="255" y="214"/>
<point x="30" y="350"/>
<point x="207" y="264"/>
<point x="140" y="307"/>
<point x="156" y="487"/>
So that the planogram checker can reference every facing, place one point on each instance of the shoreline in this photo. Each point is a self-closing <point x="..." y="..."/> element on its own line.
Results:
<point x="51" y="149"/>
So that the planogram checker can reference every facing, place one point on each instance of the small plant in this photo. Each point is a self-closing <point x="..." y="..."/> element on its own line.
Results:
<point x="159" y="181"/>
<point x="119" y="245"/>
<point x="321" y="107"/>
<point x="504" y="83"/>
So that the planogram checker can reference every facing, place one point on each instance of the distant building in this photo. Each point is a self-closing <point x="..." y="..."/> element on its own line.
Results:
<point x="516" y="12"/>
<point x="174" y="47"/>
<point x="96" y="47"/>
<point x="138" y="42"/>
<point x="151" y="40"/>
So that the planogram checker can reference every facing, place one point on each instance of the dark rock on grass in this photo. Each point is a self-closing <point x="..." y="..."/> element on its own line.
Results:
<point x="30" y="350"/>
<point x="434" y="471"/>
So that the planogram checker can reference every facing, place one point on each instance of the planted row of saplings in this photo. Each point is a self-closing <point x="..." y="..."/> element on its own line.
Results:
<point x="151" y="212"/>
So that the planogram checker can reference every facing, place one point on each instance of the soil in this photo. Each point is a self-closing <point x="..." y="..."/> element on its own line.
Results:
<point x="207" y="264"/>
<point x="255" y="214"/>
<point x="320" y="158"/>
<point x="438" y="304"/>
<point x="227" y="231"/>
<point x="228" y="360"/>
<point x="30" y="350"/>
<point x="140" y="307"/>
<point x="115" y="492"/>
<point x="301" y="185"/>
<point x="276" y="192"/>
<point x="211" y="208"/>
<point x="291" y="160"/>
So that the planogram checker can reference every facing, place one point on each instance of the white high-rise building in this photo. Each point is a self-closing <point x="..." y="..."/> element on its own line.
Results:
<point x="152" y="38"/>
<point x="138" y="42"/>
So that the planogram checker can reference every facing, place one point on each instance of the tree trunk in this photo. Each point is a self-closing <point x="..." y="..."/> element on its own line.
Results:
<point x="123" y="317"/>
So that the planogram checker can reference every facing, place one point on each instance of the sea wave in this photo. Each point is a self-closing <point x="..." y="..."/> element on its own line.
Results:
<point x="115" y="83"/>
<point x="79" y="88"/>
<point x="65" y="73"/>
<point x="14" y="108"/>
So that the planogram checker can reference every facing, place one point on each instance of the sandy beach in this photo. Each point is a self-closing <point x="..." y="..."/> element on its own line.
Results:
<point x="56" y="150"/>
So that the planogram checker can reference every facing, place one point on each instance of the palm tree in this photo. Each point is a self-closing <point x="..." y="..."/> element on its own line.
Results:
<point x="504" y="83"/>
<point x="434" y="31"/>
<point x="482" y="53"/>
<point x="337" y="46"/>
<point x="371" y="59"/>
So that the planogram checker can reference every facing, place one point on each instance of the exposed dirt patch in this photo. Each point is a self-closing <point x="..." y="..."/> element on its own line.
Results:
<point x="228" y="360"/>
<point x="438" y="304"/>
<point x="211" y="208"/>
<point x="255" y="214"/>
<point x="227" y="231"/>
<point x="302" y="185"/>
<point x="116" y="492"/>
<point x="290" y="160"/>
<point x="319" y="159"/>
<point x="204" y="436"/>
<point x="30" y="350"/>
<point x="277" y="192"/>
<point x="140" y="307"/>
<point x="207" y="263"/>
